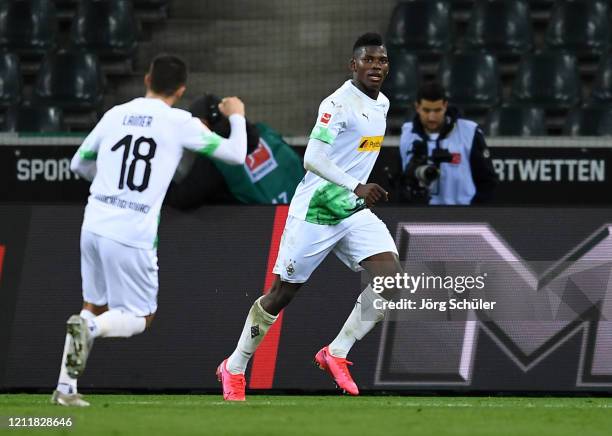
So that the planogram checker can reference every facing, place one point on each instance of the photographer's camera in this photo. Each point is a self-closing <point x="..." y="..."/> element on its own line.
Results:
<point x="423" y="171"/>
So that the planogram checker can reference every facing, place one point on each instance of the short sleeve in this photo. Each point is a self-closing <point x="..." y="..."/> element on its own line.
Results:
<point x="331" y="120"/>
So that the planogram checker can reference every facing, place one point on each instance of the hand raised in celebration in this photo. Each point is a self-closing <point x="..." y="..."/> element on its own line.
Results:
<point x="231" y="105"/>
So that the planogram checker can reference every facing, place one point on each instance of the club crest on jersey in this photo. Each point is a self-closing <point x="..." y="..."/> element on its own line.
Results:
<point x="260" y="162"/>
<point x="456" y="158"/>
<point x="325" y="118"/>
<point x="290" y="269"/>
<point x="370" y="143"/>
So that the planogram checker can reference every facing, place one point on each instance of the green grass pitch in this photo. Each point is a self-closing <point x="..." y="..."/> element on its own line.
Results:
<point x="317" y="415"/>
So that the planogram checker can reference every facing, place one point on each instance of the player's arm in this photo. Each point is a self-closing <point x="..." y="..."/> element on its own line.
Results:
<point x="332" y="122"/>
<point x="316" y="160"/>
<point x="231" y="150"/>
<point x="405" y="147"/>
<point x="83" y="162"/>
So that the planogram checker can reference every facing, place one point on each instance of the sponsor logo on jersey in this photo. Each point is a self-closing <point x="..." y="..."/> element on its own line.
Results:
<point x="260" y="162"/>
<point x="325" y="118"/>
<point x="370" y="143"/>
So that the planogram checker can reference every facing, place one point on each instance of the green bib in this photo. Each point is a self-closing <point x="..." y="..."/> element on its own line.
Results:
<point x="270" y="173"/>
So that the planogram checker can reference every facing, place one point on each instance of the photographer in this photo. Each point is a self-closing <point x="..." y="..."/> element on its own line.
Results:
<point x="445" y="159"/>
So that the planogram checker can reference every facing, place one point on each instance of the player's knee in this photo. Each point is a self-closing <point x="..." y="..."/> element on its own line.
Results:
<point x="392" y="269"/>
<point x="96" y="310"/>
<point x="149" y="320"/>
<point x="275" y="286"/>
<point x="383" y="264"/>
<point x="287" y="291"/>
<point x="279" y="296"/>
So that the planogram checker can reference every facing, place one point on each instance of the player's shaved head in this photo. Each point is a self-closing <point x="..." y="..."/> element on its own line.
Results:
<point x="168" y="73"/>
<point x="367" y="40"/>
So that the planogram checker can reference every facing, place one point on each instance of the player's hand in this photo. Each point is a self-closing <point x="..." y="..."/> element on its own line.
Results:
<point x="231" y="105"/>
<point x="371" y="193"/>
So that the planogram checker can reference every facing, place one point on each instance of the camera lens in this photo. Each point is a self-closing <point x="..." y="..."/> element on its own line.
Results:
<point x="427" y="174"/>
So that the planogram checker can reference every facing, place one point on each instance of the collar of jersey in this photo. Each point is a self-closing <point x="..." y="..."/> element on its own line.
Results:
<point x="365" y="97"/>
<point x="157" y="100"/>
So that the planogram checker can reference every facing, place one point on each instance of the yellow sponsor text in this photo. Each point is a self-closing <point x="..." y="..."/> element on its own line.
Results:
<point x="370" y="143"/>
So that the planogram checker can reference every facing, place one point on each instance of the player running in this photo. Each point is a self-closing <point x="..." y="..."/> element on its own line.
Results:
<point x="330" y="212"/>
<point x="131" y="156"/>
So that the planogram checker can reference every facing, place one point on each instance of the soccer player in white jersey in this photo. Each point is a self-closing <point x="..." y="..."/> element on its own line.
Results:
<point x="330" y="211"/>
<point x="131" y="156"/>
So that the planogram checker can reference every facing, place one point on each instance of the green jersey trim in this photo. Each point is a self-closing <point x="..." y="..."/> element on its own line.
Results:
<point x="322" y="134"/>
<point x="156" y="241"/>
<point x="332" y="203"/>
<point x="212" y="141"/>
<point x="88" y="154"/>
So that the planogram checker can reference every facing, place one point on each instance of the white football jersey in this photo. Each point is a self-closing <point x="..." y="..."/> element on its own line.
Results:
<point x="136" y="148"/>
<point x="353" y="124"/>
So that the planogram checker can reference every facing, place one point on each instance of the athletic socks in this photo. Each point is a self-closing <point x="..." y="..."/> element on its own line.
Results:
<point x="257" y="324"/>
<point x="362" y="319"/>
<point x="86" y="314"/>
<point x="117" y="324"/>
<point x="113" y="323"/>
<point x="91" y="325"/>
<point x="65" y="383"/>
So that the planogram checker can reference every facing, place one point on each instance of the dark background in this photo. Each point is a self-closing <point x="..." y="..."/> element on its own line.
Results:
<point x="206" y="291"/>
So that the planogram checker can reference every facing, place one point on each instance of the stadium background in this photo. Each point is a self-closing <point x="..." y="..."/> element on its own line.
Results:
<point x="282" y="58"/>
<point x="205" y="292"/>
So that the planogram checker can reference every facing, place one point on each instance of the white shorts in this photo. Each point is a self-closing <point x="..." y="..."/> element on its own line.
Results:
<point x="121" y="276"/>
<point x="304" y="245"/>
